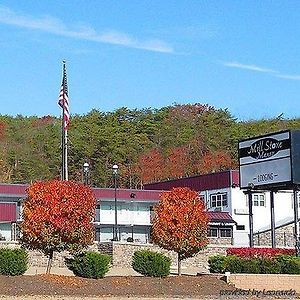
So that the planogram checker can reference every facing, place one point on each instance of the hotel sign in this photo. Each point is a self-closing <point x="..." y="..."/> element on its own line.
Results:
<point x="270" y="161"/>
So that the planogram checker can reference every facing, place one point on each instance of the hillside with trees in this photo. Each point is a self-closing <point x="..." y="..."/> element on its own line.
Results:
<point x="147" y="144"/>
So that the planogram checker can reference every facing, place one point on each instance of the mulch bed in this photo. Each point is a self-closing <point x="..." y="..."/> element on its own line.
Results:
<point x="180" y="286"/>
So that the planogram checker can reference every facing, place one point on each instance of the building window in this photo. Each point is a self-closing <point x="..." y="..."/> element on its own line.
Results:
<point x="152" y="213"/>
<point x="259" y="200"/>
<point x="219" y="232"/>
<point x="240" y="227"/>
<point x="202" y="197"/>
<point x="298" y="195"/>
<point x="218" y="200"/>
<point x="212" y="232"/>
<point x="97" y="213"/>
<point x="225" y="232"/>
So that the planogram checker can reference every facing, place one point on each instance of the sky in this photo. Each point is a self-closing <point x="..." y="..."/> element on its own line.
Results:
<point x="239" y="55"/>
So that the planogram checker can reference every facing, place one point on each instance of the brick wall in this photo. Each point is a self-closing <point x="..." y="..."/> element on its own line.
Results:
<point x="284" y="237"/>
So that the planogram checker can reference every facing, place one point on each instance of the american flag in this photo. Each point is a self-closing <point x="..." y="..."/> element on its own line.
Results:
<point x="63" y="99"/>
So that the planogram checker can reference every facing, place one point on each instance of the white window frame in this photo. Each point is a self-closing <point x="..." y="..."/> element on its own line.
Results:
<point x="213" y="229"/>
<point x="218" y="199"/>
<point x="259" y="199"/>
<point x="202" y="197"/>
<point x="225" y="230"/>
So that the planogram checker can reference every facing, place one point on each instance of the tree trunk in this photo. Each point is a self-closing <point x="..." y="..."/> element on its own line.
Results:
<point x="179" y="264"/>
<point x="49" y="265"/>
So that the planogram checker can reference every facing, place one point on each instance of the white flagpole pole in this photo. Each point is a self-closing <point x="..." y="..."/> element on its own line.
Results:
<point x="64" y="171"/>
<point x="66" y="155"/>
<point x="63" y="145"/>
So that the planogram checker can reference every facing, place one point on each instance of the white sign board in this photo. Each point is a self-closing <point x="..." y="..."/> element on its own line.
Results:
<point x="265" y="160"/>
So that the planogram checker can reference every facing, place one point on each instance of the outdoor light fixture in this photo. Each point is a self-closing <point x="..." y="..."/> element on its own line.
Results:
<point x="115" y="174"/>
<point x="86" y="169"/>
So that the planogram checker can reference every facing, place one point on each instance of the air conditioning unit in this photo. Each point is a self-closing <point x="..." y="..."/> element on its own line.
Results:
<point x="218" y="209"/>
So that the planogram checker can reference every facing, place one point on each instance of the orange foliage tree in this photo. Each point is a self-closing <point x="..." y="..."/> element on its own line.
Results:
<point x="180" y="223"/>
<point x="151" y="166"/>
<point x="57" y="215"/>
<point x="215" y="162"/>
<point x="177" y="161"/>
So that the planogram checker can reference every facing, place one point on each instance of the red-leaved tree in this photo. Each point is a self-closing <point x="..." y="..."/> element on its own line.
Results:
<point x="180" y="223"/>
<point x="57" y="215"/>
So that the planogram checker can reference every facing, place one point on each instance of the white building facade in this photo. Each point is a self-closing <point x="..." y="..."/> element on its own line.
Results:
<point x="220" y="191"/>
<point x="135" y="209"/>
<point x="226" y="202"/>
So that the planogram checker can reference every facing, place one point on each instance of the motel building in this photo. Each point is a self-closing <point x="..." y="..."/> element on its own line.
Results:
<point x="221" y="193"/>
<point x="134" y="212"/>
<point x="226" y="203"/>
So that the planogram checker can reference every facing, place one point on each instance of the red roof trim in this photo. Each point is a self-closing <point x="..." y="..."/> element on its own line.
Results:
<point x="220" y="217"/>
<point x="212" y="181"/>
<point x="19" y="190"/>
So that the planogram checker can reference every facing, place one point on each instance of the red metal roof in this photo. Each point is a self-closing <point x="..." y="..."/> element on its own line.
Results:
<point x="19" y="190"/>
<point x="152" y="191"/>
<point x="235" y="178"/>
<point x="13" y="189"/>
<point x="8" y="212"/>
<point x="220" y="217"/>
<point x="204" y="182"/>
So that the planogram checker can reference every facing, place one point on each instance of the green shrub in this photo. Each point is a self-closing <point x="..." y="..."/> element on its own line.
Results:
<point x="151" y="263"/>
<point x="285" y="264"/>
<point x="251" y="266"/>
<point x="89" y="264"/>
<point x="293" y="266"/>
<point x="13" y="261"/>
<point x="233" y="264"/>
<point x="269" y="266"/>
<point x="216" y="263"/>
<point x="289" y="264"/>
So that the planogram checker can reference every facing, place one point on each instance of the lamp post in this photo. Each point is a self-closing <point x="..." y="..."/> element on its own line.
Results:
<point x="115" y="173"/>
<point x="86" y="170"/>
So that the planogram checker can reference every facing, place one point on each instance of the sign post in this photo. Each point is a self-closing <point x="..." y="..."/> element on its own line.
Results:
<point x="273" y="237"/>
<point x="248" y="193"/>
<point x="250" y="202"/>
<point x="296" y="223"/>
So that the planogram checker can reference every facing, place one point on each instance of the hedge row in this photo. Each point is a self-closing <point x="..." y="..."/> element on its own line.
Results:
<point x="95" y="265"/>
<point x="247" y="252"/>
<point x="89" y="264"/>
<point x="280" y="264"/>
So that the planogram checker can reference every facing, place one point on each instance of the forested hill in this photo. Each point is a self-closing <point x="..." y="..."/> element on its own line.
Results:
<point x="148" y="144"/>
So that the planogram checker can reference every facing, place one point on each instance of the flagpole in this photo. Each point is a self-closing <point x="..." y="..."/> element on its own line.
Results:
<point x="66" y="155"/>
<point x="62" y="147"/>
<point x="64" y="135"/>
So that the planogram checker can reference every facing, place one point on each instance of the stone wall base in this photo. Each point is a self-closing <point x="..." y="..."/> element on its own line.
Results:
<point x="122" y="253"/>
